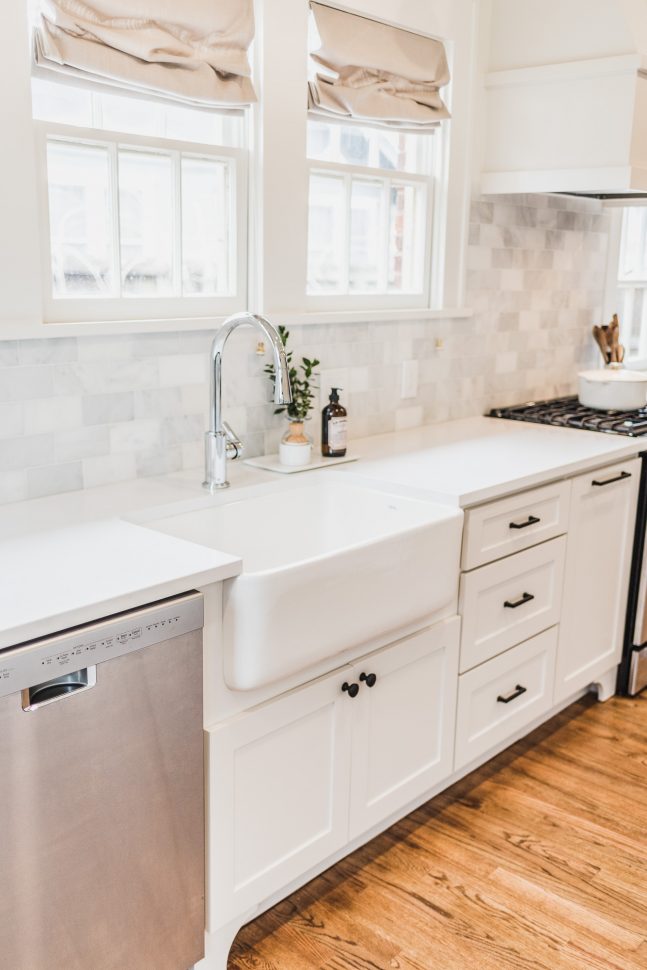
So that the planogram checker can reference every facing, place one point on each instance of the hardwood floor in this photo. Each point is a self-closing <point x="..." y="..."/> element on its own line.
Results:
<point x="537" y="861"/>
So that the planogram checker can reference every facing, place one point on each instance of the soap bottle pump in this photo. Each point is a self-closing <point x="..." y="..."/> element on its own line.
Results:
<point x="334" y="430"/>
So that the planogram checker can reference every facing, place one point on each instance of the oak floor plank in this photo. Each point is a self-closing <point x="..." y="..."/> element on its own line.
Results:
<point x="536" y="861"/>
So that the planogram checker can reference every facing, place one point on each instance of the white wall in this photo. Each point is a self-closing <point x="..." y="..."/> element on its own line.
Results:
<point x="526" y="33"/>
<point x="20" y="293"/>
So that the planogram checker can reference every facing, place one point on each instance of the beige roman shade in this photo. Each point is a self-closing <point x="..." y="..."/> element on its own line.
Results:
<point x="193" y="51"/>
<point x="376" y="73"/>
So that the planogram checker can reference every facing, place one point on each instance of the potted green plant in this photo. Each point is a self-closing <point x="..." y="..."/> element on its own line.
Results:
<point x="296" y="445"/>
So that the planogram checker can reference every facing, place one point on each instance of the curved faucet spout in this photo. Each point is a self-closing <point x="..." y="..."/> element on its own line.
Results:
<point x="220" y="441"/>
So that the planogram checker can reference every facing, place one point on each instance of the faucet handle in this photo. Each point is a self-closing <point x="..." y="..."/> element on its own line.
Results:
<point x="234" y="444"/>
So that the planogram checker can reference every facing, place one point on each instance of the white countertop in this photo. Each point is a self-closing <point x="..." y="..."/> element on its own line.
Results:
<point x="474" y="460"/>
<point x="70" y="559"/>
<point x="57" y="579"/>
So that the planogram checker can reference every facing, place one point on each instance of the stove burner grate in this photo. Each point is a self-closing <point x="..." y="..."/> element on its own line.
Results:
<point x="569" y="413"/>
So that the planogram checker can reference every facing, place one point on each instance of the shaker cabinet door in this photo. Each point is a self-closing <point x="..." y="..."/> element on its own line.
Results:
<point x="598" y="560"/>
<point x="403" y="725"/>
<point x="278" y="793"/>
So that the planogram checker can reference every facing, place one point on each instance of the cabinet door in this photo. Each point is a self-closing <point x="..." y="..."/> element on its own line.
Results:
<point x="277" y="793"/>
<point x="598" y="560"/>
<point x="403" y="726"/>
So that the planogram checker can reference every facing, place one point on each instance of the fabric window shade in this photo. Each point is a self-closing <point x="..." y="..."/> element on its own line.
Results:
<point x="192" y="51"/>
<point x="376" y="73"/>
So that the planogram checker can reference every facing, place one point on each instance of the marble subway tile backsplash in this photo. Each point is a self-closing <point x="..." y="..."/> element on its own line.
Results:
<point x="80" y="412"/>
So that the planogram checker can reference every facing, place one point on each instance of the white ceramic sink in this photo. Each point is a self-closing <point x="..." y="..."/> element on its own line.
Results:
<point x="326" y="567"/>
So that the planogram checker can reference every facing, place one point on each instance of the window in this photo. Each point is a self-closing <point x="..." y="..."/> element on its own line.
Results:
<point x="631" y="294"/>
<point x="144" y="206"/>
<point x="369" y="218"/>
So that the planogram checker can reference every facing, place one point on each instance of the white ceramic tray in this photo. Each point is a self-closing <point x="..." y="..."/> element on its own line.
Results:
<point x="272" y="464"/>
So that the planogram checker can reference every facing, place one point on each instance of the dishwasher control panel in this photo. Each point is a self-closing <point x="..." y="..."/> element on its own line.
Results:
<point x="40" y="660"/>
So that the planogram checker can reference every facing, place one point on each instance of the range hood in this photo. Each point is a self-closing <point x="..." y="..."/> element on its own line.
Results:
<point x="565" y="111"/>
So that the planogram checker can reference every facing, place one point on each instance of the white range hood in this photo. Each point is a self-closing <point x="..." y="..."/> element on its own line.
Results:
<point x="565" y="91"/>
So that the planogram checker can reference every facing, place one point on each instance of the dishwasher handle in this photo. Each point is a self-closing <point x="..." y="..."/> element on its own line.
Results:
<point x="58" y="689"/>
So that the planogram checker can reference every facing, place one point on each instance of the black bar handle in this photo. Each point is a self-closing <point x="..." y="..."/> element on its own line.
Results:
<point x="531" y="520"/>
<point x="512" y="696"/>
<point x="525" y="598"/>
<point x="369" y="679"/>
<point x="609" y="481"/>
<point x="351" y="689"/>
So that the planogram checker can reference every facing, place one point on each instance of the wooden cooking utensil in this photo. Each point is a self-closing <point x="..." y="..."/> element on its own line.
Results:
<point x="601" y="340"/>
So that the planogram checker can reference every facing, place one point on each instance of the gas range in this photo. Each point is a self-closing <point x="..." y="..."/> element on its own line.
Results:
<point x="569" y="413"/>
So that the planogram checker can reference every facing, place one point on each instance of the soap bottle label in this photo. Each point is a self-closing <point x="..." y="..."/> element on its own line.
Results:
<point x="337" y="434"/>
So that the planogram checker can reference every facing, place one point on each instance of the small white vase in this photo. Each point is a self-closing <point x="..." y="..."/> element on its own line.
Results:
<point x="295" y="448"/>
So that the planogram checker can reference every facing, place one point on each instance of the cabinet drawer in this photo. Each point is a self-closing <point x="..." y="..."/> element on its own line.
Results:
<point x="497" y="699"/>
<point x="510" y="600"/>
<point x="515" y="523"/>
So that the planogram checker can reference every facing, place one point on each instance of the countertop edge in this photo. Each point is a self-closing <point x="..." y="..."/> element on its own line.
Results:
<point x="90" y="612"/>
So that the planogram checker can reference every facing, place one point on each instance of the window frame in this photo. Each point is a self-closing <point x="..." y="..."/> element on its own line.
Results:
<point x="386" y="177"/>
<point x="615" y="286"/>
<point x="120" y="309"/>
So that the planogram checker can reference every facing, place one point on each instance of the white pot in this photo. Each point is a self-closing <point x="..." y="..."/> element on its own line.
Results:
<point x="295" y="454"/>
<point x="613" y="389"/>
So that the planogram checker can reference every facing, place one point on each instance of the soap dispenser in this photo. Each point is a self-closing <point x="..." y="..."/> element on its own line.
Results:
<point x="334" y="430"/>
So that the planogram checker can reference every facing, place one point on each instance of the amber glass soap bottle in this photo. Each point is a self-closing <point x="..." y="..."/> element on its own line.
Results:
<point x="334" y="429"/>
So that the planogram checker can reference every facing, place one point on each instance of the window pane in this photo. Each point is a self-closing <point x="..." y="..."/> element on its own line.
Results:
<point x="326" y="234"/>
<point x="114" y="112"/>
<point x="205" y="227"/>
<point x="633" y="252"/>
<point x="80" y="219"/>
<point x="371" y="147"/>
<point x="146" y="211"/>
<point x="65" y="104"/>
<point x="406" y="239"/>
<point x="61" y="103"/>
<point x="367" y="237"/>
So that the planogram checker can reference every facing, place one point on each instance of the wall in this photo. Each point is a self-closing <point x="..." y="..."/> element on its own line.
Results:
<point x="79" y="412"/>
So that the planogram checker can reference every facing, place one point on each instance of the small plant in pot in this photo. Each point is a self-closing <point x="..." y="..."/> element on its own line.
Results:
<point x="295" y="448"/>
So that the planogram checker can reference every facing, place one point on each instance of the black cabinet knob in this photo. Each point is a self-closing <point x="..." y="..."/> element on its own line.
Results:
<point x="369" y="679"/>
<point x="351" y="689"/>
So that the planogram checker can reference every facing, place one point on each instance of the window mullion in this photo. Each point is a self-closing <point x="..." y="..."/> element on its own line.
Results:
<point x="345" y="279"/>
<point x="178" y="242"/>
<point x="113" y="150"/>
<point x="383" y="266"/>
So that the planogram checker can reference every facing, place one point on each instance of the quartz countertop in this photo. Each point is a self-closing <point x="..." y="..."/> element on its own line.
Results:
<point x="475" y="460"/>
<point x="57" y="579"/>
<point x="71" y="558"/>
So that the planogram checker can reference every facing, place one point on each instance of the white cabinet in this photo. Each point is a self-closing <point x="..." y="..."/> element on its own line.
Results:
<point x="278" y="794"/>
<point x="510" y="600"/>
<point x="293" y="780"/>
<point x="504" y="695"/>
<point x="514" y="523"/>
<point x="402" y="726"/>
<point x="598" y="559"/>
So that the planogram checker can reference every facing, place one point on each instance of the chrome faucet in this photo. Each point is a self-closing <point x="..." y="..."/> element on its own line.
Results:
<point x="220" y="441"/>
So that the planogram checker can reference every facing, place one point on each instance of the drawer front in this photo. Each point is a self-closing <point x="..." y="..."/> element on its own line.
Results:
<point x="510" y="600"/>
<point x="515" y="523"/>
<point x="499" y="698"/>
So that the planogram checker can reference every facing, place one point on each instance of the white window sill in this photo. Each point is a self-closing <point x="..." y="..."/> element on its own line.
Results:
<point x="30" y="331"/>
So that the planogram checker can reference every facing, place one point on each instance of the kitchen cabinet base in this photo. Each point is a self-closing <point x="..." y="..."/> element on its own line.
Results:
<point x="218" y="943"/>
<point x="606" y="684"/>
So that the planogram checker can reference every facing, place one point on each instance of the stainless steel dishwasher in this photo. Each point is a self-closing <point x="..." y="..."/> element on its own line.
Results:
<point x="101" y="794"/>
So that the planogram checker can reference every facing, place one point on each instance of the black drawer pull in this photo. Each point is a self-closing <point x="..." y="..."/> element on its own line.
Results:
<point x="351" y="689"/>
<point x="512" y="696"/>
<point x="609" y="481"/>
<point x="369" y="679"/>
<point x="531" y="520"/>
<point x="525" y="598"/>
